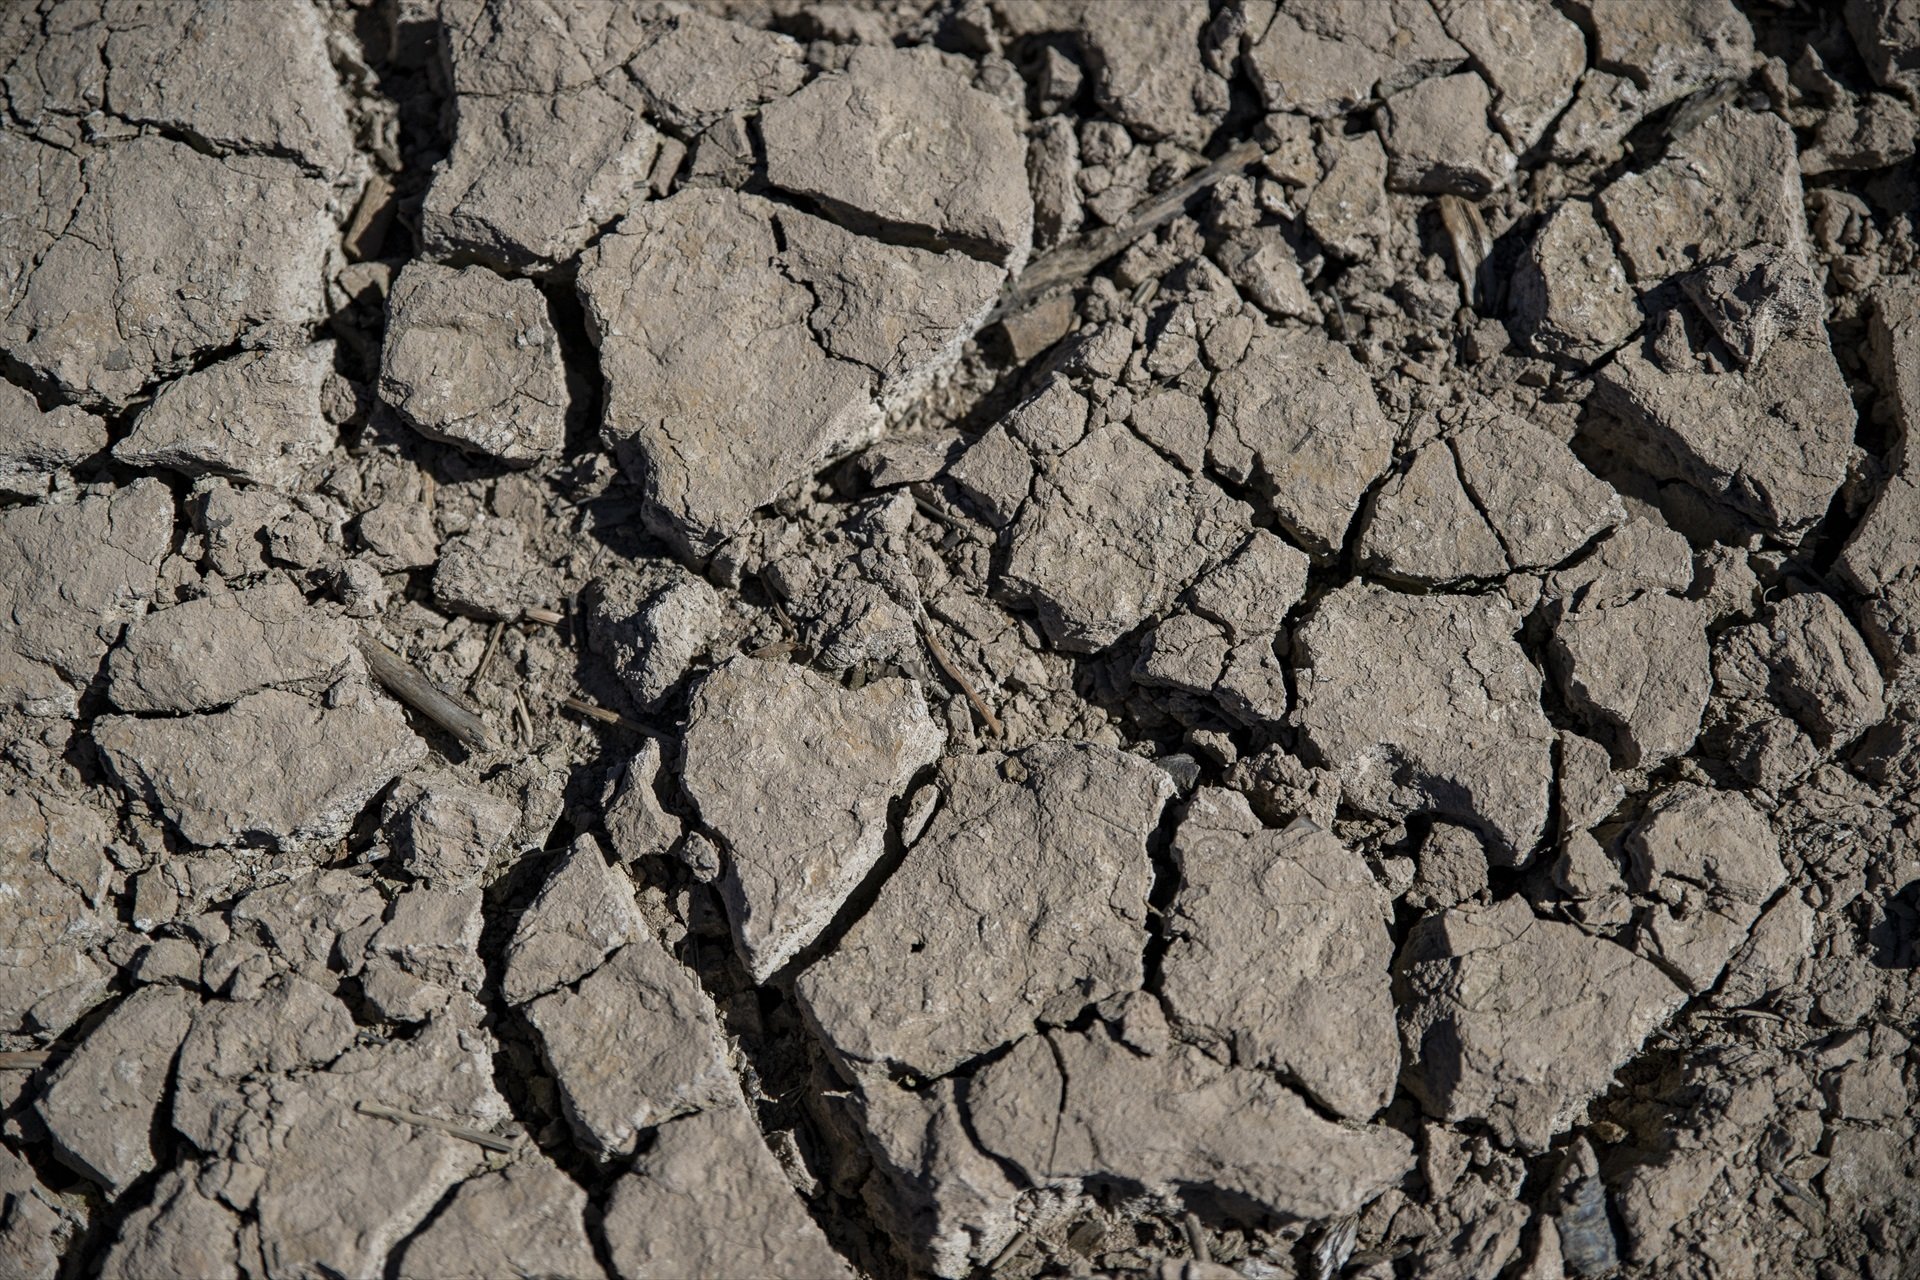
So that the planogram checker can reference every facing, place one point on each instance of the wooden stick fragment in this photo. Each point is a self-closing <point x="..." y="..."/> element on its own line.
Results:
<point x="605" y="716"/>
<point x="1012" y="1251"/>
<point x="480" y="668"/>
<point x="1196" y="1239"/>
<point x="525" y="720"/>
<point x="547" y="616"/>
<point x="25" y="1059"/>
<point x="946" y="663"/>
<point x="399" y="678"/>
<point x="1071" y="263"/>
<point x="490" y="1141"/>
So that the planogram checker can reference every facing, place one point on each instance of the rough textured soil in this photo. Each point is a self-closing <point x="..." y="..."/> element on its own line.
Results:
<point x="1194" y="639"/>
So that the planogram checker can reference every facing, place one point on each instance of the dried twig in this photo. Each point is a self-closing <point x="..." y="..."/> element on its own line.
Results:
<point x="946" y="663"/>
<point x="525" y="720"/>
<point x="25" y="1059"/>
<point x="1012" y="1251"/>
<point x="400" y="678"/>
<point x="1472" y="244"/>
<point x="549" y="617"/>
<point x="1071" y="263"/>
<point x="605" y="716"/>
<point x="490" y="1141"/>
<point x="480" y="668"/>
<point x="1196" y="1239"/>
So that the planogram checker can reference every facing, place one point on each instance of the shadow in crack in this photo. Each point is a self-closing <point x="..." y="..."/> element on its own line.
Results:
<point x="1894" y="934"/>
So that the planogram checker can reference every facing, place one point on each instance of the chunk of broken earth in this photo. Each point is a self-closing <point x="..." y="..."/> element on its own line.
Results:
<point x="950" y="1203"/>
<point x="1071" y="1105"/>
<point x="1518" y="1021"/>
<point x="473" y="359"/>
<point x="256" y="417"/>
<point x="1755" y="296"/>
<point x="1326" y="59"/>
<point x="334" y="1189"/>
<point x="697" y="68"/>
<point x="1296" y="420"/>
<point x="550" y="144"/>
<point x="1570" y="294"/>
<point x="1438" y="139"/>
<point x="524" y="1220"/>
<point x="708" y="1199"/>
<point x="1280" y="955"/>
<point x="102" y="310"/>
<point x="447" y="832"/>
<point x="902" y="141"/>
<point x="1348" y="211"/>
<point x="432" y="935"/>
<point x="273" y="767"/>
<point x="1251" y="592"/>
<point x="633" y="1044"/>
<point x="1426" y="704"/>
<point x="1113" y="533"/>
<point x="35" y="447"/>
<point x="995" y="475"/>
<point x="1812" y="663"/>
<point x="1531" y="56"/>
<point x="1638" y="673"/>
<point x="584" y="912"/>
<point x="313" y="922"/>
<point x="651" y="625"/>
<point x="1145" y="73"/>
<point x="717" y="411"/>
<point x="637" y="826"/>
<point x="1421" y="526"/>
<point x="1538" y="498"/>
<point x="291" y="1024"/>
<point x="486" y="572"/>
<point x="1727" y="185"/>
<point x="94" y="567"/>
<point x="99" y="1104"/>
<point x="209" y="652"/>
<point x="1024" y="902"/>
<point x="50" y="932"/>
<point x="1712" y="861"/>
<point x="1770" y="444"/>
<point x="180" y="1231"/>
<point x="1263" y="266"/>
<point x="795" y="774"/>
<point x="1882" y="557"/>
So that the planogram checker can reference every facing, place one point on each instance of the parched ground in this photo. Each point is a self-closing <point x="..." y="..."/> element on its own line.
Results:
<point x="1157" y="638"/>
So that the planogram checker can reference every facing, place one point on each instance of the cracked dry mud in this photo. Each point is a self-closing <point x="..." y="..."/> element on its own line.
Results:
<point x="952" y="638"/>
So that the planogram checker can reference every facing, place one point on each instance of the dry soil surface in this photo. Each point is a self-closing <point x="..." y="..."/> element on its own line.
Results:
<point x="1185" y="639"/>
